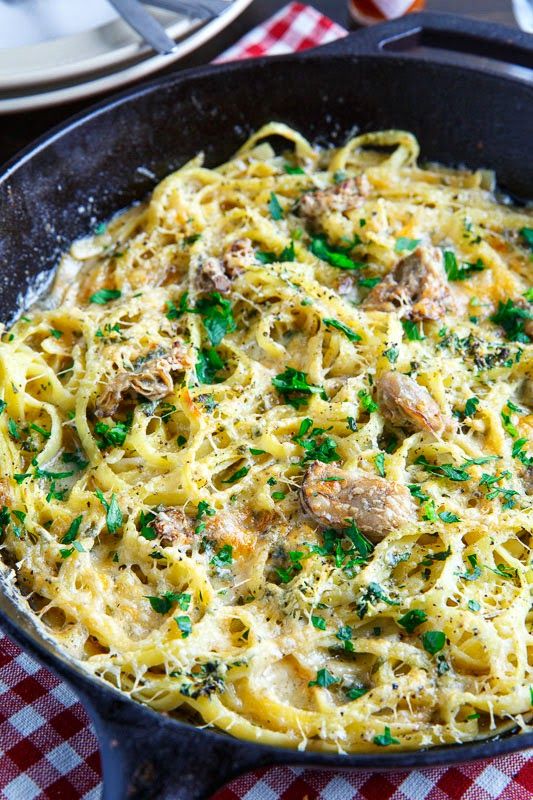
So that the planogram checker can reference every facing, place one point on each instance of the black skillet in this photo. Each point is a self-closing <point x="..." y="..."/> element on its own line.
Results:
<point x="103" y="160"/>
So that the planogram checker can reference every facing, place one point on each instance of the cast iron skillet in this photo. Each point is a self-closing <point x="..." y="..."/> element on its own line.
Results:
<point x="87" y="169"/>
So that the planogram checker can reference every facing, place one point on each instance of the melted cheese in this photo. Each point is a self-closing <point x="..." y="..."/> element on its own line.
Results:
<point x="281" y="637"/>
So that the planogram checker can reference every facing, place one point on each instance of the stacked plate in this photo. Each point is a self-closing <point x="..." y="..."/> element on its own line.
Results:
<point x="56" y="51"/>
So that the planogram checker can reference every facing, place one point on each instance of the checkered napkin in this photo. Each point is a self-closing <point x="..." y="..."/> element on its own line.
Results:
<point x="48" y="748"/>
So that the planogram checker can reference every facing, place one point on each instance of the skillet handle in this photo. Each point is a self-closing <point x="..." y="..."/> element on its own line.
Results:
<point x="145" y="756"/>
<point x="439" y="32"/>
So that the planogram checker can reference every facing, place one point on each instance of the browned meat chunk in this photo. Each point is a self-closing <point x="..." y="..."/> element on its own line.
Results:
<point x="217" y="274"/>
<point x="173" y="526"/>
<point x="403" y="402"/>
<point x="528" y="480"/>
<point x="152" y="380"/>
<point x="343" y="197"/>
<point x="333" y="497"/>
<point x="416" y="288"/>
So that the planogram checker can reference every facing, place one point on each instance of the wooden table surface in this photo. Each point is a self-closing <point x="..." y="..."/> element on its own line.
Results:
<point x="17" y="130"/>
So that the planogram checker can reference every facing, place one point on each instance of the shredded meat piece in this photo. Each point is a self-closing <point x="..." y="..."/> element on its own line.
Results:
<point x="528" y="480"/>
<point x="153" y="380"/>
<point x="416" y="288"/>
<point x="343" y="197"/>
<point x="375" y="504"/>
<point x="403" y="402"/>
<point x="218" y="273"/>
<point x="173" y="526"/>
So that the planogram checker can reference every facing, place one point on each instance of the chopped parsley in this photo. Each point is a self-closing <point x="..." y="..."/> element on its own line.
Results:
<point x="12" y="428"/>
<point x="174" y="312"/>
<point x="448" y="517"/>
<point x="44" y="433"/>
<point x="323" y="679"/>
<point x="473" y="605"/>
<point x="317" y="447"/>
<point x="185" y="625"/>
<point x="287" y="254"/>
<point x="334" y="255"/>
<point x="204" y="509"/>
<point x="508" y="423"/>
<point x="113" y="512"/>
<point x="207" y="366"/>
<point x="391" y="354"/>
<point x="527" y="236"/>
<point x="369" y="283"/>
<point x="73" y="531"/>
<point x="519" y="453"/>
<point x="406" y="244"/>
<point x="469" y="410"/>
<point x="340" y="326"/>
<point x="416" y="491"/>
<point x="224" y="557"/>
<point x="372" y="594"/>
<point x="318" y="622"/>
<point x="75" y="458"/>
<point x="379" y="461"/>
<point x="511" y="317"/>
<point x="433" y="641"/>
<point x="276" y="211"/>
<point x="344" y="635"/>
<point x="443" y="470"/>
<point x="162" y="605"/>
<point x="217" y="317"/>
<point x="366" y="401"/>
<point x="290" y="170"/>
<point x="412" y="619"/>
<point x="474" y="573"/>
<point x="103" y="296"/>
<point x="385" y="739"/>
<point x="67" y="551"/>
<point x="145" y="525"/>
<point x="112" y="435"/>
<point x="240" y="473"/>
<point x="355" y="691"/>
<point x="460" y="273"/>
<point x="287" y="574"/>
<point x="413" y="330"/>
<point x="295" y="388"/>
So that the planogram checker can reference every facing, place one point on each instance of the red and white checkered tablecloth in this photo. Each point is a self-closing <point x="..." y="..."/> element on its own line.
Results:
<point x="48" y="748"/>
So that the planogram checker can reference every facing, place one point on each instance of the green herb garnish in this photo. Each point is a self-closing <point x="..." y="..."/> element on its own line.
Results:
<point x="103" y="296"/>
<point x="340" y="326"/>
<point x="334" y="255"/>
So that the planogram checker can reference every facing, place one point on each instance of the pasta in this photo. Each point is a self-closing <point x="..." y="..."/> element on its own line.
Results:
<point x="264" y="448"/>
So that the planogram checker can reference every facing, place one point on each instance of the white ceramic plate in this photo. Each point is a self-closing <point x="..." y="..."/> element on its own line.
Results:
<point x="103" y="56"/>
